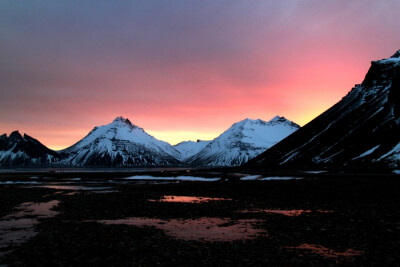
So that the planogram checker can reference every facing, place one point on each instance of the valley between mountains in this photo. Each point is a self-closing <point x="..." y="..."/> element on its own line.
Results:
<point x="360" y="132"/>
<point x="123" y="144"/>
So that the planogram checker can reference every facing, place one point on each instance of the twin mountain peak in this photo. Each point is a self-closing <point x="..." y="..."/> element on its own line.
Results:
<point x="121" y="143"/>
<point x="362" y="131"/>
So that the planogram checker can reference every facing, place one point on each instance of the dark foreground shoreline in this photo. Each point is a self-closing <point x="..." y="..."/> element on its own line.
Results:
<point x="342" y="219"/>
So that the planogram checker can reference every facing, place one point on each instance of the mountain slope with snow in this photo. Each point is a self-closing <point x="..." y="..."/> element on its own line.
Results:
<point x="362" y="131"/>
<point x="120" y="143"/>
<point x="18" y="150"/>
<point x="188" y="149"/>
<point x="242" y="141"/>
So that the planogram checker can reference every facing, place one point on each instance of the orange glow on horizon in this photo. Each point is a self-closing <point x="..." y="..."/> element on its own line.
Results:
<point x="202" y="109"/>
<point x="182" y="71"/>
<point x="64" y="139"/>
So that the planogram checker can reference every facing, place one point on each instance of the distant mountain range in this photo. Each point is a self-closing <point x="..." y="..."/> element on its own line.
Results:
<point x="362" y="131"/>
<point x="123" y="144"/>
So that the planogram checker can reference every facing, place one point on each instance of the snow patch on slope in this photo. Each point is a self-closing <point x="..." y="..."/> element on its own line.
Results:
<point x="368" y="152"/>
<point x="393" y="154"/>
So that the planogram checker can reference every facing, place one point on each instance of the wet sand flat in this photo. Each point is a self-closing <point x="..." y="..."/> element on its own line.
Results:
<point x="311" y="221"/>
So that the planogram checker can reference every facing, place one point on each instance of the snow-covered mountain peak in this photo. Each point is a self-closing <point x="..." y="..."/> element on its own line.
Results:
<point x="119" y="118"/>
<point x="120" y="143"/>
<point x="119" y="129"/>
<point x="282" y="120"/>
<point x="381" y="74"/>
<point x="246" y="122"/>
<point x="258" y="130"/>
<point x="393" y="60"/>
<point x="276" y="118"/>
<point x="243" y="141"/>
<point x="123" y="120"/>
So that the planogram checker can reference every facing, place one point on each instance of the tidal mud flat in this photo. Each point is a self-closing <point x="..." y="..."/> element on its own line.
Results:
<point x="105" y="219"/>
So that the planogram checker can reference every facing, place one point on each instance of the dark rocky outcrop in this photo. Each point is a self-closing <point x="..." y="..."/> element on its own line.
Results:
<point x="17" y="150"/>
<point x="361" y="132"/>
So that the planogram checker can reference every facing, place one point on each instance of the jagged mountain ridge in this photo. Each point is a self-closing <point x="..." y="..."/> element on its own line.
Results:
<point x="123" y="144"/>
<point x="120" y="143"/>
<point x="362" y="131"/>
<point x="243" y="141"/>
<point x="18" y="150"/>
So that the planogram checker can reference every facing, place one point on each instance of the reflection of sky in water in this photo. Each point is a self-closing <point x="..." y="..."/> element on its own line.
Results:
<point x="73" y="187"/>
<point x="290" y="213"/>
<point x="187" y="199"/>
<point x="326" y="252"/>
<point x="16" y="229"/>
<point x="202" y="229"/>
<point x="40" y="210"/>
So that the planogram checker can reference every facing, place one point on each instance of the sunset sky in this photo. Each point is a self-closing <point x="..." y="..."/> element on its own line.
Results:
<point x="182" y="69"/>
